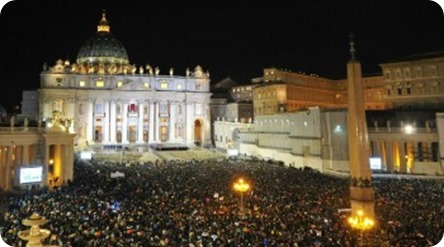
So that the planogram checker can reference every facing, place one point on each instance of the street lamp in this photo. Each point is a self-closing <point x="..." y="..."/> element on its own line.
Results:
<point x="241" y="186"/>
<point x="361" y="223"/>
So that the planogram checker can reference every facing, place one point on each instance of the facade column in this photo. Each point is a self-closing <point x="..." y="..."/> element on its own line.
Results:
<point x="157" y="121"/>
<point x="189" y="125"/>
<point x="207" y="125"/>
<point x="172" y="124"/>
<point x="125" y="123"/>
<point x="106" y="122"/>
<point x="112" y="115"/>
<point x="151" y="122"/>
<point x="90" y="123"/>
<point x="140" y="124"/>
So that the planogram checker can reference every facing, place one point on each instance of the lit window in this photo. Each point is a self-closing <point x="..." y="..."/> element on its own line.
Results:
<point x="164" y="85"/>
<point x="146" y="85"/>
<point x="119" y="83"/>
<point x="81" y="83"/>
<point x="179" y="86"/>
<point x="100" y="83"/>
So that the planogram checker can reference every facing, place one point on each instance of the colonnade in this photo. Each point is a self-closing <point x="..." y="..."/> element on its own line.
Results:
<point x="401" y="155"/>
<point x="31" y="148"/>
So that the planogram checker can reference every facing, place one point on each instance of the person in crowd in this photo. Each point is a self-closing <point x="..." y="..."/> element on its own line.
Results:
<point x="192" y="203"/>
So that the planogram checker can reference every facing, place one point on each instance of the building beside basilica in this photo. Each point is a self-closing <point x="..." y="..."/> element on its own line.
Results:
<point x="106" y="100"/>
<point x="302" y="119"/>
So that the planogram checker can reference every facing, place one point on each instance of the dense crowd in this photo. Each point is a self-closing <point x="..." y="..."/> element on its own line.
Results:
<point x="192" y="203"/>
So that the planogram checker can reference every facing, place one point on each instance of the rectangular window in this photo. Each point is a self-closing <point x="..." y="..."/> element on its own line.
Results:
<point x="179" y="86"/>
<point x="146" y="85"/>
<point x="164" y="85"/>
<point x="100" y="83"/>
<point x="119" y="83"/>
<point x="81" y="83"/>
<point x="99" y="109"/>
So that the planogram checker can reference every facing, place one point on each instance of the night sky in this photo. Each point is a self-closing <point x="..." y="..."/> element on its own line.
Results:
<point x="235" y="38"/>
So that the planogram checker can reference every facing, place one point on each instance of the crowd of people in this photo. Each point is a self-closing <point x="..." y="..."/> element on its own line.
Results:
<point x="192" y="203"/>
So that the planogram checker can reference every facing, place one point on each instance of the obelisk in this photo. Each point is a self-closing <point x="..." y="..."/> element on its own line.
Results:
<point x="361" y="189"/>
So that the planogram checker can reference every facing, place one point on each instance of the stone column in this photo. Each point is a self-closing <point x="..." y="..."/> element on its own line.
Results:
<point x="25" y="154"/>
<point x="207" y="125"/>
<point x="125" y="123"/>
<point x="390" y="160"/>
<point x="157" y="121"/>
<point x="140" y="124"/>
<point x="9" y="164"/>
<point x="112" y="114"/>
<point x="172" y="124"/>
<point x="69" y="162"/>
<point x="402" y="157"/>
<point x="151" y="122"/>
<point x="90" y="123"/>
<point x="106" y="122"/>
<point x="2" y="168"/>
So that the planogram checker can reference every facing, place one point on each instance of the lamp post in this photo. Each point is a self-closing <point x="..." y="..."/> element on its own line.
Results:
<point x="241" y="186"/>
<point x="361" y="223"/>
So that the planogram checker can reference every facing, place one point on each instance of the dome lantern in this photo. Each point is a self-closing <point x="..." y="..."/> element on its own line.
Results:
<point x="103" y="24"/>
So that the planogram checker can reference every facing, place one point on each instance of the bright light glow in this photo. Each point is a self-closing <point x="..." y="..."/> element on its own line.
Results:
<point x="100" y="83"/>
<point x="31" y="174"/>
<point x="360" y="221"/>
<point x="241" y="185"/>
<point x="338" y="129"/>
<point x="408" y="129"/>
<point x="375" y="163"/>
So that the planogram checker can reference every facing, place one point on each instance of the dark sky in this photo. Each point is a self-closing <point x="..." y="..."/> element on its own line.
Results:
<point x="236" y="38"/>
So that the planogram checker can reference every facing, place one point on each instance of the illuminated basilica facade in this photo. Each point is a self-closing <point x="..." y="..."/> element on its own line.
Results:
<point x="106" y="100"/>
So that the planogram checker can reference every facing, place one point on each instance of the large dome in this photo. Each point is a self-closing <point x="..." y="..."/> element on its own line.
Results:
<point x="102" y="47"/>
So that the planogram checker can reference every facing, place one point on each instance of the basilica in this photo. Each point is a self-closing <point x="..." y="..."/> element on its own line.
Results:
<point x="106" y="100"/>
